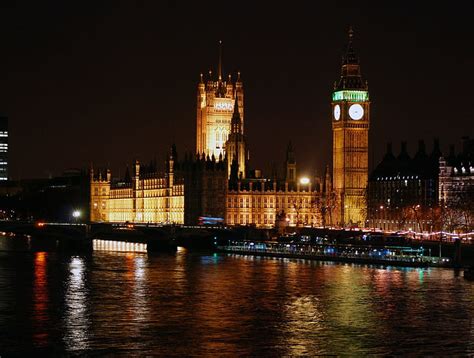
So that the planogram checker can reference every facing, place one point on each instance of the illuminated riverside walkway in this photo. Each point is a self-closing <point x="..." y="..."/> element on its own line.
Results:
<point x="385" y="255"/>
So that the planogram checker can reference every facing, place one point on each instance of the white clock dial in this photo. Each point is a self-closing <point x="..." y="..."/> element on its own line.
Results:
<point x="356" y="111"/>
<point x="337" y="112"/>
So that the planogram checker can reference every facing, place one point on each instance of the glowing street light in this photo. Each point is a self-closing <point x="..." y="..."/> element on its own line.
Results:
<point x="304" y="180"/>
<point x="76" y="214"/>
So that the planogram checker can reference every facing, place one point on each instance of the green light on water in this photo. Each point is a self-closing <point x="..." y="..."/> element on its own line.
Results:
<point x="421" y="276"/>
<point x="352" y="96"/>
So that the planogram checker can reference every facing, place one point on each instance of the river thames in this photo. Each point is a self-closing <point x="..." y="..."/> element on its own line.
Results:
<point x="189" y="303"/>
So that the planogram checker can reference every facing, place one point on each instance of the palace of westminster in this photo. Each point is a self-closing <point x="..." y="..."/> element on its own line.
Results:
<point x="216" y="180"/>
<point x="427" y="192"/>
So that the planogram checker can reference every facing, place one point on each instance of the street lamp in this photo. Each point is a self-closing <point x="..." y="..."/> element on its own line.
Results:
<point x="304" y="180"/>
<point x="76" y="214"/>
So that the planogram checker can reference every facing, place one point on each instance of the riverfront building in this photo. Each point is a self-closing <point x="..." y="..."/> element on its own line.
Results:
<point x="181" y="194"/>
<point x="456" y="175"/>
<point x="217" y="180"/>
<point x="425" y="193"/>
<point x="266" y="202"/>
<point x="456" y="187"/>
<point x="144" y="197"/>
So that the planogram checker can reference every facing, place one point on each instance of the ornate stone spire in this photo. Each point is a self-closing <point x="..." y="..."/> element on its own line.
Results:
<point x="290" y="154"/>
<point x="220" y="91"/>
<point x="219" y="68"/>
<point x="236" y="123"/>
<point x="351" y="78"/>
<point x="350" y="55"/>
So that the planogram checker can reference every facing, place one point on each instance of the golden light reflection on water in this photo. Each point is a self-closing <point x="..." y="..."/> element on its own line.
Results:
<point x="136" y="278"/>
<point x="40" y="300"/>
<point x="212" y="305"/>
<point x="303" y="315"/>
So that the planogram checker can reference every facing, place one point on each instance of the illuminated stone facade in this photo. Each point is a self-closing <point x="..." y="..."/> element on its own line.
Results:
<point x="264" y="202"/>
<point x="350" y="124"/>
<point x="217" y="182"/>
<point x="189" y="189"/>
<point x="146" y="197"/>
<point x="215" y="106"/>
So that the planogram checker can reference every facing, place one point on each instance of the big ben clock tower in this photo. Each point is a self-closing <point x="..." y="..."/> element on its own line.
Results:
<point x="350" y="126"/>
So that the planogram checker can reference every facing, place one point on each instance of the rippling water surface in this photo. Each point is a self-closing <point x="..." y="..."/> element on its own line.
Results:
<point x="199" y="304"/>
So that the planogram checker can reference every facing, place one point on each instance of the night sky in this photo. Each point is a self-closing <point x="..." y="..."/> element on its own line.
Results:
<point x="113" y="82"/>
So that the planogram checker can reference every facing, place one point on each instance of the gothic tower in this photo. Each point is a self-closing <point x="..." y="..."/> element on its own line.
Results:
<point x="350" y="126"/>
<point x="290" y="164"/>
<point x="100" y="189"/>
<point x="235" y="147"/>
<point x="215" y="106"/>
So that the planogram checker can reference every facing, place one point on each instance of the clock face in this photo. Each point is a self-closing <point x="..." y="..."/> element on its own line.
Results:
<point x="356" y="111"/>
<point x="337" y="112"/>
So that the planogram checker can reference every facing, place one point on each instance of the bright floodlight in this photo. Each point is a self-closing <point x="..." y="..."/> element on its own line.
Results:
<point x="76" y="213"/>
<point x="304" y="180"/>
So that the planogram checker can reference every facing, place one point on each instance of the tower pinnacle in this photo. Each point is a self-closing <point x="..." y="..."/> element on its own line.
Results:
<point x="351" y="78"/>
<point x="236" y="123"/>
<point x="350" y="57"/>
<point x="219" y="70"/>
<point x="220" y="91"/>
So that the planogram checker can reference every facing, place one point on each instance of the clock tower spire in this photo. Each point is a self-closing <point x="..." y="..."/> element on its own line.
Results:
<point x="350" y="127"/>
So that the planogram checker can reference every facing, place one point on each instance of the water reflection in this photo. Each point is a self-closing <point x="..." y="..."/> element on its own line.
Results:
<point x="139" y="294"/>
<point x="191" y="304"/>
<point x="304" y="319"/>
<point x="40" y="314"/>
<point x="75" y="315"/>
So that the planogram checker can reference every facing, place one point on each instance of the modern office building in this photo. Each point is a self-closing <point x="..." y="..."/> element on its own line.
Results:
<point x="3" y="148"/>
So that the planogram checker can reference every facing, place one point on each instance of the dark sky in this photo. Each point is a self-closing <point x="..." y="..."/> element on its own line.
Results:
<point x="112" y="82"/>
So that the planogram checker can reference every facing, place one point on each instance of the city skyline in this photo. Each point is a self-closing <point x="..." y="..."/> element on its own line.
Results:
<point x="108" y="85"/>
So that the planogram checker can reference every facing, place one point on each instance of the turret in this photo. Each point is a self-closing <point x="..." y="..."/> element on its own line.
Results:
<point x="235" y="146"/>
<point x="236" y="123"/>
<point x="170" y="166"/>
<point x="290" y="165"/>
<point x="99" y="194"/>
